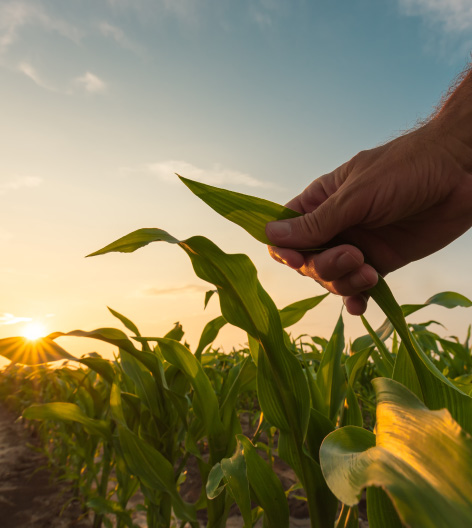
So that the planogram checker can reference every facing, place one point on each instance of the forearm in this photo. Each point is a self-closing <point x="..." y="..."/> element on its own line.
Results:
<point x="453" y="121"/>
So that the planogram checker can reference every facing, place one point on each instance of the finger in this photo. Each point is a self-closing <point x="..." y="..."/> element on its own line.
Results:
<point x="318" y="191"/>
<point x="356" y="282"/>
<point x="289" y="257"/>
<point x="356" y="304"/>
<point x="339" y="212"/>
<point x="334" y="263"/>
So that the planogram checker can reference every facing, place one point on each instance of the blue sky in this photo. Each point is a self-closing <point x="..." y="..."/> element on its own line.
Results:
<point x="102" y="101"/>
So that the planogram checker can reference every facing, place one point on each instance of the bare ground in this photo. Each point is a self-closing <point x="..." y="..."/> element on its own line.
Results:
<point x="31" y="497"/>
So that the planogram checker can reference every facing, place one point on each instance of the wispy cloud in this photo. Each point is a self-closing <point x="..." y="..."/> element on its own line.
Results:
<point x="182" y="9"/>
<point x="9" y="319"/>
<point x="216" y="175"/>
<point x="27" y="69"/>
<point x="91" y="83"/>
<point x="178" y="290"/>
<point x="17" y="14"/>
<point x="450" y="15"/>
<point x="120" y="37"/>
<point x="20" y="183"/>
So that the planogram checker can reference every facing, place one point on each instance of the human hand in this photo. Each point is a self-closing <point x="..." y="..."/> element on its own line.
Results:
<point x="386" y="207"/>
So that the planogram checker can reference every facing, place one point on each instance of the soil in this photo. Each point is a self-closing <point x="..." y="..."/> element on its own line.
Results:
<point x="32" y="497"/>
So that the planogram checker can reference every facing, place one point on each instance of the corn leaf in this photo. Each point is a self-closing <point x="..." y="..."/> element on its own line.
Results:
<point x="100" y="366"/>
<point x="235" y="473"/>
<point x="147" y="463"/>
<point x="27" y="352"/>
<point x="282" y="385"/>
<point x="209" y="334"/>
<point x="437" y="391"/>
<point x="251" y="213"/>
<point x="205" y="401"/>
<point x="154" y="470"/>
<point x="68" y="412"/>
<point x="266" y="487"/>
<point x="444" y="299"/>
<point x="128" y="324"/>
<point x="135" y="240"/>
<point x="292" y="313"/>
<point x="418" y="456"/>
<point x="386" y="358"/>
<point x="330" y="376"/>
<point x="380" y="510"/>
<point x="348" y="517"/>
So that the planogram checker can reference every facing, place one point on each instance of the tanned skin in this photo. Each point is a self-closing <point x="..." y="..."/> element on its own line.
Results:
<point x="388" y="206"/>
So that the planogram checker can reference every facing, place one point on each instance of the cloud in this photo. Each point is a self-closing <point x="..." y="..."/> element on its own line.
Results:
<point x="119" y="36"/>
<point x="182" y="9"/>
<point x="452" y="16"/>
<point x="20" y="183"/>
<point x="17" y="14"/>
<point x="217" y="175"/>
<point x="28" y="70"/>
<point x="178" y="290"/>
<point x="9" y="319"/>
<point x="91" y="83"/>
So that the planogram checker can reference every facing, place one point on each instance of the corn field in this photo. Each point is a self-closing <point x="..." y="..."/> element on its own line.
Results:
<point x="387" y="416"/>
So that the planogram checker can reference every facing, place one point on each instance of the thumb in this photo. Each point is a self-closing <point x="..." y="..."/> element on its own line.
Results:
<point x="315" y="228"/>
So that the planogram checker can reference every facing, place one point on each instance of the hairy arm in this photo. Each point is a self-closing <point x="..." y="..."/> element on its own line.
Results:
<point x="387" y="206"/>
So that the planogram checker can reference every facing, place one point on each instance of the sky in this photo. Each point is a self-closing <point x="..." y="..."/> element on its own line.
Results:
<point x="102" y="101"/>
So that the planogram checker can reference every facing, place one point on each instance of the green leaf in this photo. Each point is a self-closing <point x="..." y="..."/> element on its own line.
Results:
<point x="154" y="470"/>
<point x="208" y="295"/>
<point x="386" y="358"/>
<point x="216" y="475"/>
<point x="176" y="333"/>
<point x="437" y="391"/>
<point x="282" y="385"/>
<point x="234" y="470"/>
<point x="352" y="414"/>
<point x="27" y="352"/>
<point x="266" y="487"/>
<point x="380" y="510"/>
<point x="69" y="412"/>
<point x="355" y="365"/>
<point x="251" y="213"/>
<point x="292" y="313"/>
<point x="445" y="299"/>
<point x="135" y="240"/>
<point x="100" y="366"/>
<point x="144" y="383"/>
<point x="129" y="324"/>
<point x="418" y="456"/>
<point x="348" y="518"/>
<point x="209" y="334"/>
<point x="205" y="401"/>
<point x="330" y="376"/>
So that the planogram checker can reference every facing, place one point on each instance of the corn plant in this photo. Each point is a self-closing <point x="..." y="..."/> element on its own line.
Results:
<point x="160" y="403"/>
<point x="305" y="407"/>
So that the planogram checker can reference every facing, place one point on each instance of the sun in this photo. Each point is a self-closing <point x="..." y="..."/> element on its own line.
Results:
<point x="34" y="331"/>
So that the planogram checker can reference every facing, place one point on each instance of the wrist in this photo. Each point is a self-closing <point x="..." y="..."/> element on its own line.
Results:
<point x="452" y="125"/>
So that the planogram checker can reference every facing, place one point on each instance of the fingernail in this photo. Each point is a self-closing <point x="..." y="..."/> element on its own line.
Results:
<point x="346" y="262"/>
<point x="278" y="230"/>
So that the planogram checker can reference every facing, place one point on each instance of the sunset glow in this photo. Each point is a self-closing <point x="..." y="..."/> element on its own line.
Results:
<point x="34" y="331"/>
<point x="107" y="101"/>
